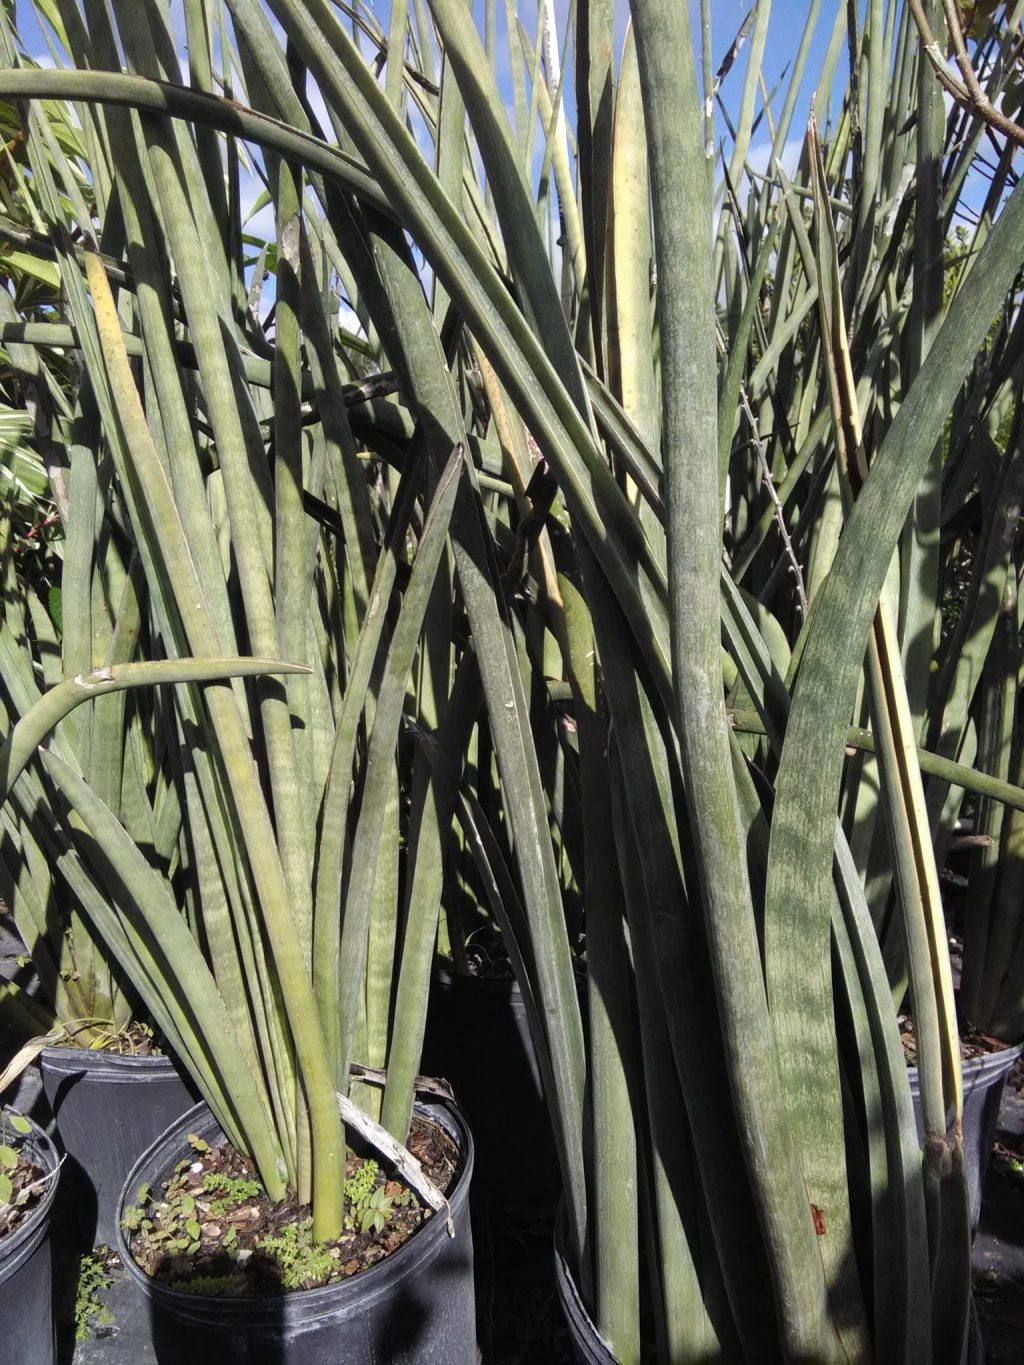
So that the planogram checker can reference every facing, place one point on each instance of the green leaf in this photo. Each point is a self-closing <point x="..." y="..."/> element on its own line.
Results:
<point x="8" y="1158"/>
<point x="686" y="301"/>
<point x="6" y="1188"/>
<point x="799" y="887"/>
<point x="24" y="263"/>
<point x="55" y="603"/>
<point x="33" y="727"/>
<point x="20" y="1124"/>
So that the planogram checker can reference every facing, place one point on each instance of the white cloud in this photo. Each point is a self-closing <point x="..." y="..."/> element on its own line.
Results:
<point x="759" y="157"/>
<point x="261" y="223"/>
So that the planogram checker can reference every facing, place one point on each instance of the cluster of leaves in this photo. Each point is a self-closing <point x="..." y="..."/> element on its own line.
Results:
<point x="299" y="1260"/>
<point x="231" y="1190"/>
<point x="134" y="1214"/>
<point x="369" y="1200"/>
<point x="8" y="1155"/>
<point x="169" y="1226"/>
<point x="90" y="1310"/>
<point x="177" y="1230"/>
<point x="180" y="1228"/>
<point x="15" y="1191"/>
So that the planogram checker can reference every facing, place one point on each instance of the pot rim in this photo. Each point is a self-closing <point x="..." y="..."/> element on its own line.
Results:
<point x="495" y="987"/>
<point x="66" y="1060"/>
<point x="500" y="988"/>
<point x="578" y="1320"/>
<point x="373" y="1282"/>
<point x="987" y="1065"/>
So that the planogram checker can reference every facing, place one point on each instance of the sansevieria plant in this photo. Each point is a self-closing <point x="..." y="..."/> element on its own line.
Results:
<point x="81" y="998"/>
<point x="156" y="816"/>
<point x="470" y="467"/>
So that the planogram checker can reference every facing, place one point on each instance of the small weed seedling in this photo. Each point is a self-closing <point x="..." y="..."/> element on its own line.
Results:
<point x="91" y="1313"/>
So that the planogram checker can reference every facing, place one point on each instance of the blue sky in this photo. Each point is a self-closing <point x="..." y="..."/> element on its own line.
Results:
<point x="786" y="24"/>
<point x="785" y="28"/>
<point x="784" y="32"/>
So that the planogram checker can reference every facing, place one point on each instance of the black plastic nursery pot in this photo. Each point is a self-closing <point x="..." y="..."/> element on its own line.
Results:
<point x="109" y="1107"/>
<point x="416" y="1307"/>
<point x="26" y="1313"/>
<point x="478" y="1039"/>
<point x="588" y="1348"/>
<point x="984" y="1079"/>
